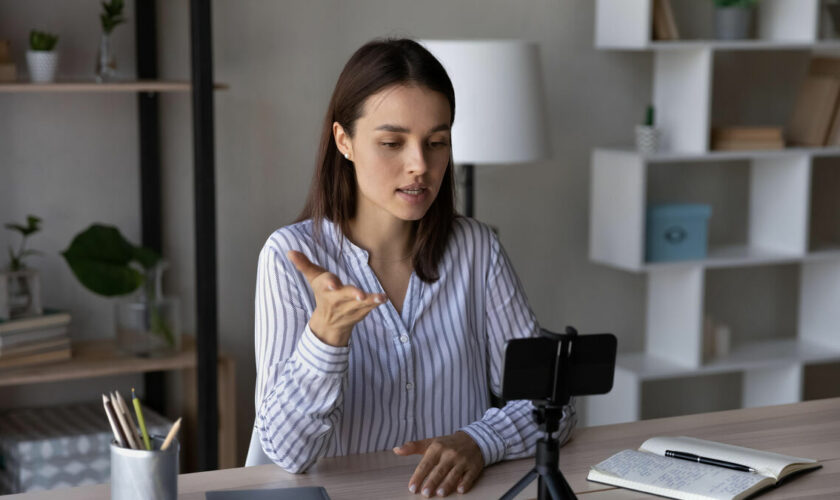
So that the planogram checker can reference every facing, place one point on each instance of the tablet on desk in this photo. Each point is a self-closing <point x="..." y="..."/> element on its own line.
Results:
<point x="302" y="493"/>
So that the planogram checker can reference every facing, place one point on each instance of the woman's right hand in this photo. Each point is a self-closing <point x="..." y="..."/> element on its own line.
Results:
<point x="338" y="307"/>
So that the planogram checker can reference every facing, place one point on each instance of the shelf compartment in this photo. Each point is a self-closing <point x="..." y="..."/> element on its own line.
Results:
<point x="775" y="195"/>
<point x="780" y="24"/>
<point x="92" y="86"/>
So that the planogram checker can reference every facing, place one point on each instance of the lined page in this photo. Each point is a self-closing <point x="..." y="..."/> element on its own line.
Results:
<point x="765" y="462"/>
<point x="673" y="478"/>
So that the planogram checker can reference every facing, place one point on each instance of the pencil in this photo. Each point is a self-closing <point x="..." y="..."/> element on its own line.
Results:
<point x="140" y="419"/>
<point x="118" y="410"/>
<point x="112" y="419"/>
<point x="171" y="435"/>
<point x="127" y="413"/>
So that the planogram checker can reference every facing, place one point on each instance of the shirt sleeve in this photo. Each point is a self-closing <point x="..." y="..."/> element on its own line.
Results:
<point x="509" y="432"/>
<point x="300" y="379"/>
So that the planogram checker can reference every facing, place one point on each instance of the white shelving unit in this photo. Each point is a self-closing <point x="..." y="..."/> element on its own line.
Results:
<point x="779" y="207"/>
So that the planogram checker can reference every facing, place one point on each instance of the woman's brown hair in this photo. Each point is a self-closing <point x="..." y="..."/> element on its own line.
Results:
<point x="378" y="64"/>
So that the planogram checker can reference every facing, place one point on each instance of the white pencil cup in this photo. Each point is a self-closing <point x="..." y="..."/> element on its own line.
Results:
<point x="144" y="474"/>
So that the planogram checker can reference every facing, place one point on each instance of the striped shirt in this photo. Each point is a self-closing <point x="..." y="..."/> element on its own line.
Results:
<point x="403" y="377"/>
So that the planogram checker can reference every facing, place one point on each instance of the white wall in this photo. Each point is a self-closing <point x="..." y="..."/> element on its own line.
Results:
<point x="73" y="158"/>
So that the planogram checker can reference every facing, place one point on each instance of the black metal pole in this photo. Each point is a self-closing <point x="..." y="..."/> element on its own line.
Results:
<point x="151" y="221"/>
<point x="469" y="200"/>
<point x="205" y="233"/>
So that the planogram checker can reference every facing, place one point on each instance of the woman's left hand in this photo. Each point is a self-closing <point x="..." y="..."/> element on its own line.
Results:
<point x="449" y="462"/>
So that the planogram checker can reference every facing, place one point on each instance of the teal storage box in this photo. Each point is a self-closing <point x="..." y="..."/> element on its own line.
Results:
<point x="676" y="232"/>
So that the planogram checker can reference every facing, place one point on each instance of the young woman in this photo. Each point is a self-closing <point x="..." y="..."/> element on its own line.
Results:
<point x="381" y="316"/>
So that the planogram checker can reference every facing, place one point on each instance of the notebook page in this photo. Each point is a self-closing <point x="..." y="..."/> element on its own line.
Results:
<point x="669" y="477"/>
<point x="765" y="462"/>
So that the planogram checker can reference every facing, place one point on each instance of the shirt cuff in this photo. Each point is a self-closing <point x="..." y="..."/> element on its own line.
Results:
<point x="321" y="357"/>
<point x="489" y="440"/>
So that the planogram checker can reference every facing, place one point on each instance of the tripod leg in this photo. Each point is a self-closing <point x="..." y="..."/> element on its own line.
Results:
<point x="557" y="486"/>
<point x="520" y="485"/>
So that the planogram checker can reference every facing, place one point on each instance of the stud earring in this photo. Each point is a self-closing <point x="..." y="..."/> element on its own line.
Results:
<point x="346" y="156"/>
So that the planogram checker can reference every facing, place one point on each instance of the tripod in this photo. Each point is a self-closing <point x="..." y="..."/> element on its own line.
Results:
<point x="551" y="482"/>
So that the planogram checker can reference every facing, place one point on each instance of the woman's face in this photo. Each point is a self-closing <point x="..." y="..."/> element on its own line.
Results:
<point x="400" y="151"/>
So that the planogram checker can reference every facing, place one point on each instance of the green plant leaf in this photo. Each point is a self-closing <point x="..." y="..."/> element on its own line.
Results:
<point x="99" y="258"/>
<point x="17" y="227"/>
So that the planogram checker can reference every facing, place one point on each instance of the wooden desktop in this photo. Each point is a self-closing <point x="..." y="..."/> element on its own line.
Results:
<point x="810" y="429"/>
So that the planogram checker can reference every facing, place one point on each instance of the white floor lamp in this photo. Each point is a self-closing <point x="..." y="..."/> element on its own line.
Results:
<point x="499" y="104"/>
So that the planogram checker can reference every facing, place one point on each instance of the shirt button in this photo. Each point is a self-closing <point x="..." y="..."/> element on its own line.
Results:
<point x="408" y="386"/>
<point x="403" y="338"/>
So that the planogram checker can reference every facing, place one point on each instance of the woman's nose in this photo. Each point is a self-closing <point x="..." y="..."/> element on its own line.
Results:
<point x="416" y="161"/>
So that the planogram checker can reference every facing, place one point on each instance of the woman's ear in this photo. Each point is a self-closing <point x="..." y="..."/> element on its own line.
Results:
<point x="342" y="141"/>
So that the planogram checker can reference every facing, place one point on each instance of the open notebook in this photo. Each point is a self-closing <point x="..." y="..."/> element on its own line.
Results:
<point x="649" y="470"/>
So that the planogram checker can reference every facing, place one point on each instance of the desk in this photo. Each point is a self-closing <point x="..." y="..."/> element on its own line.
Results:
<point x="810" y="429"/>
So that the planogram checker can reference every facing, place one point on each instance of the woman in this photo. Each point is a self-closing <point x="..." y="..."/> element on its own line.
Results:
<point x="381" y="316"/>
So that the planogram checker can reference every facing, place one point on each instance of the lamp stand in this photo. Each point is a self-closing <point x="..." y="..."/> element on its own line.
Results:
<point x="469" y="200"/>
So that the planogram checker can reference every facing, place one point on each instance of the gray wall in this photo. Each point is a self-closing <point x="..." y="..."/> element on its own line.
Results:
<point x="73" y="158"/>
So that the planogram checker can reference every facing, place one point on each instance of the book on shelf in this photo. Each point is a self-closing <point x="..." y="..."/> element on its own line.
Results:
<point x="664" y="24"/>
<point x="35" y="346"/>
<point x="50" y="318"/>
<point x="747" y="138"/>
<point x="814" y="118"/>
<point x="32" y="335"/>
<point x="36" y="358"/>
<point x="649" y="470"/>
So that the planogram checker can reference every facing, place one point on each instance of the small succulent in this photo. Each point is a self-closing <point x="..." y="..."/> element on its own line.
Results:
<point x="649" y="117"/>
<point x="735" y="3"/>
<point x="42" y="41"/>
<point x="33" y="225"/>
<point x="111" y="15"/>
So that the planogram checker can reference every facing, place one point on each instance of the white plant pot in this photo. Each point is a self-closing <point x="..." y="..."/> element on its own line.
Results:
<point x="42" y="65"/>
<point x="647" y="139"/>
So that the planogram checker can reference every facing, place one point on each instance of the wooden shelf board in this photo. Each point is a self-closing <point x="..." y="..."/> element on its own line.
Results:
<point x="748" y="356"/>
<point x="91" y="86"/>
<point x="98" y="358"/>
<point x="734" y="256"/>
<point x="727" y="45"/>
<point x="674" y="157"/>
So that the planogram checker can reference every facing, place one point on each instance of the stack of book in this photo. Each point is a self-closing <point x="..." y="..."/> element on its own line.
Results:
<point x="664" y="25"/>
<point x="34" y="340"/>
<point x="747" y="138"/>
<point x="815" y="120"/>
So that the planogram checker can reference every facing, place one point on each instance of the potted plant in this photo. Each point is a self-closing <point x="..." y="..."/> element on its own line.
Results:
<point x="111" y="17"/>
<point x="733" y="19"/>
<point x="20" y="286"/>
<point x="647" y="135"/>
<point x="42" y="58"/>
<point x="147" y="323"/>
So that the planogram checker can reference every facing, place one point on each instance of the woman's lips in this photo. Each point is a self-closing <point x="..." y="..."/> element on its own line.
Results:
<point x="413" y="195"/>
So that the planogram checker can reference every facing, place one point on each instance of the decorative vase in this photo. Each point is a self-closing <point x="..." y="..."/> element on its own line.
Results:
<point x="42" y="65"/>
<point x="647" y="139"/>
<point x="106" y="63"/>
<point x="20" y="294"/>
<point x="149" y="324"/>
<point x="733" y="23"/>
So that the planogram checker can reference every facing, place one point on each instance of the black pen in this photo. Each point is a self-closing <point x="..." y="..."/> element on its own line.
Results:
<point x="708" y="461"/>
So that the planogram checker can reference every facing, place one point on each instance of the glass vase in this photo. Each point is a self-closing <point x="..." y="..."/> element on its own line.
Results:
<point x="149" y="324"/>
<point x="106" y="63"/>
<point x="20" y="294"/>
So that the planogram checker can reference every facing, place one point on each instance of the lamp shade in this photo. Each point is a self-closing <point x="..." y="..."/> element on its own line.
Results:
<point x="499" y="100"/>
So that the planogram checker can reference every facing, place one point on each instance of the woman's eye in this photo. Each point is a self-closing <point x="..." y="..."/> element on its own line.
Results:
<point x="390" y="145"/>
<point x="440" y="144"/>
